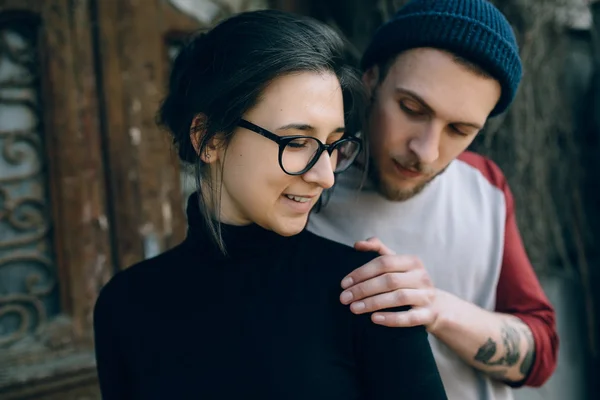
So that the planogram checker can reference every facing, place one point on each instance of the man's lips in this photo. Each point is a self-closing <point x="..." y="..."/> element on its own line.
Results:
<point x="406" y="172"/>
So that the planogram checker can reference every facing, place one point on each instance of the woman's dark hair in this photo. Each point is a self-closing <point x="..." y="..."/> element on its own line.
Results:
<point x="222" y="73"/>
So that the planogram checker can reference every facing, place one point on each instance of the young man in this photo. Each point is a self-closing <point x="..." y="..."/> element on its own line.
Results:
<point x="435" y="73"/>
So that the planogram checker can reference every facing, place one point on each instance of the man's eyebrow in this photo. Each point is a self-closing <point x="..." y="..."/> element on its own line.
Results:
<point x="430" y="110"/>
<point x="470" y="124"/>
<point x="415" y="97"/>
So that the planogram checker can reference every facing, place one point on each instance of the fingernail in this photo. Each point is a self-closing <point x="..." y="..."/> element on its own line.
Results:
<point x="347" y="282"/>
<point x="378" y="318"/>
<point x="346" y="297"/>
<point x="358" y="306"/>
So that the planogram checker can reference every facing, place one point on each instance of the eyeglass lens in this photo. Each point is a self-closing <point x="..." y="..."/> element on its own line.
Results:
<point x="299" y="153"/>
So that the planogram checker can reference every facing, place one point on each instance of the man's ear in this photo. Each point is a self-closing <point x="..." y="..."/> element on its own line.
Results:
<point x="370" y="79"/>
<point x="197" y="132"/>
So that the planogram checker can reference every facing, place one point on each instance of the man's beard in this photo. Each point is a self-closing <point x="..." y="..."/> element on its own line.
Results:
<point x="392" y="192"/>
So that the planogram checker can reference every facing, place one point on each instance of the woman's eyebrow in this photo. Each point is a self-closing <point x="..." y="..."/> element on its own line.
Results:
<point x="306" y="127"/>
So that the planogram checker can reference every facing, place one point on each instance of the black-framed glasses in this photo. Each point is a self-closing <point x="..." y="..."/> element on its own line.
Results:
<point x="298" y="154"/>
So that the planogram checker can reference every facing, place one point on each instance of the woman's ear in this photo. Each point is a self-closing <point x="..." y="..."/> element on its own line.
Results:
<point x="197" y="132"/>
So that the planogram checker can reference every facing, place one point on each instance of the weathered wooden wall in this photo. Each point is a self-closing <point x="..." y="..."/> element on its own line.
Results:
<point x="88" y="185"/>
<point x="54" y="248"/>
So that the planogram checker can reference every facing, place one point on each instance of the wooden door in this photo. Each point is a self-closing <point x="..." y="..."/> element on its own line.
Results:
<point x="87" y="184"/>
<point x="55" y="250"/>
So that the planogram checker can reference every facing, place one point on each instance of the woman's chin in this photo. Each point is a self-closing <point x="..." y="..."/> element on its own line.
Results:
<point x="290" y="226"/>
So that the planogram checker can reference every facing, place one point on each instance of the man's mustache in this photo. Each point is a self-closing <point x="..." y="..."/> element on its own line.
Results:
<point x="414" y="165"/>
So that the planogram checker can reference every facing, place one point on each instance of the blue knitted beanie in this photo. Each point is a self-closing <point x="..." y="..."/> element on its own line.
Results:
<point x="472" y="29"/>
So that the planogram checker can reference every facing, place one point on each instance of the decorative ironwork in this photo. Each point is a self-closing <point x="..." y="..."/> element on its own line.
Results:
<point x="28" y="293"/>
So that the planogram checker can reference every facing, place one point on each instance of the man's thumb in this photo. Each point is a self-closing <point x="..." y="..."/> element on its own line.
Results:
<point x="373" y="244"/>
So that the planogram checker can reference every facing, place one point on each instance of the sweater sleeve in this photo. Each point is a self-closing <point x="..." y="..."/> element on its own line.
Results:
<point x="109" y="362"/>
<point x="397" y="362"/>
<point x="519" y="292"/>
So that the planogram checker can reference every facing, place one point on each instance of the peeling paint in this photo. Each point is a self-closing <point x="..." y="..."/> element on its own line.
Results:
<point x="150" y="240"/>
<point x="237" y="6"/>
<point x="99" y="272"/>
<point x="204" y="11"/>
<point x="103" y="222"/>
<point x="167" y="217"/>
<point x="136" y="135"/>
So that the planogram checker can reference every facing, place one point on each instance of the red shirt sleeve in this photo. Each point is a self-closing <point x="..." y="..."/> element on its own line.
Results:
<point x="519" y="292"/>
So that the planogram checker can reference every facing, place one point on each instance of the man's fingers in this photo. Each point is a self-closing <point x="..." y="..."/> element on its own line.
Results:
<point x="382" y="284"/>
<point x="404" y="319"/>
<point x="396" y="298"/>
<point x="375" y="245"/>
<point x="381" y="265"/>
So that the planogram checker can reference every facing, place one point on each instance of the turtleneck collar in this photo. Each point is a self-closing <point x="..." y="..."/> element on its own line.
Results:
<point x="240" y="241"/>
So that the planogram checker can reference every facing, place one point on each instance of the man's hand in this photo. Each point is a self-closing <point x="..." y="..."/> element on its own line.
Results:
<point x="390" y="281"/>
<point x="498" y="344"/>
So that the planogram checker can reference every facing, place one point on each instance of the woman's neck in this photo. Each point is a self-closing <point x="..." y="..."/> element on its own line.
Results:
<point x="219" y="207"/>
<point x="240" y="241"/>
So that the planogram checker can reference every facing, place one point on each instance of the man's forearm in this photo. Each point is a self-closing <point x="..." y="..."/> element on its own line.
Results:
<point x="500" y="345"/>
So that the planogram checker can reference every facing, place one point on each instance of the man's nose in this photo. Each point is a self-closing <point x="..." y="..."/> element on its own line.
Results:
<point x="426" y="144"/>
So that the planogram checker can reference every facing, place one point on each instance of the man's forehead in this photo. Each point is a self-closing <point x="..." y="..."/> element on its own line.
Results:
<point x="434" y="78"/>
<point x="408" y="60"/>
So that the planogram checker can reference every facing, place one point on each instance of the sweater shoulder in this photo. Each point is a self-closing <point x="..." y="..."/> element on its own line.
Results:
<point x="337" y="253"/>
<point x="139" y="280"/>
<point x="486" y="167"/>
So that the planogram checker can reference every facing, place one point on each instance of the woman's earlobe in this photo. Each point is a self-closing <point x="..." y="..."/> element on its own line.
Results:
<point x="209" y="152"/>
<point x="205" y="157"/>
<point x="197" y="131"/>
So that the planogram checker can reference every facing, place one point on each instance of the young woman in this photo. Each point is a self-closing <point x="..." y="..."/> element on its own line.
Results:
<point x="247" y="307"/>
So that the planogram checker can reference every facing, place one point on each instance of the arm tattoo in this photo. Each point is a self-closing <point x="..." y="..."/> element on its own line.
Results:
<point x="511" y="338"/>
<point x="512" y="335"/>
<point x="527" y="363"/>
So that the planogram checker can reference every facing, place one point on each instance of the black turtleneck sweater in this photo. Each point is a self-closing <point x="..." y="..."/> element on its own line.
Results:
<point x="265" y="323"/>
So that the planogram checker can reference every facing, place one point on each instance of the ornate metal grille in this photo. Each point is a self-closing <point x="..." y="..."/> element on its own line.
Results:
<point x="28" y="289"/>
